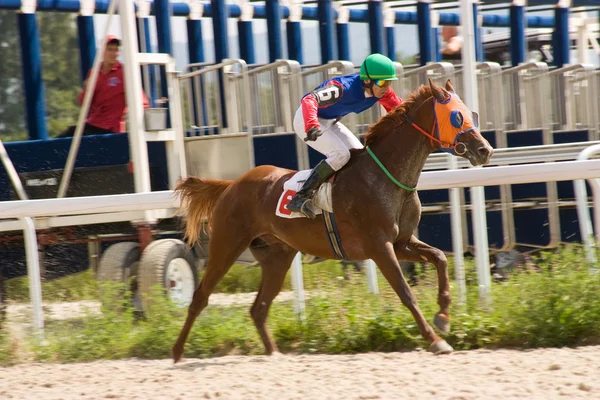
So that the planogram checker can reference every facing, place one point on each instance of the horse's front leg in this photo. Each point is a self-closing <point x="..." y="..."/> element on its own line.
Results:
<point x="388" y="264"/>
<point x="416" y="250"/>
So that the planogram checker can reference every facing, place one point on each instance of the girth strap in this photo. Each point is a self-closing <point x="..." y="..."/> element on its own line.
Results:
<point x="333" y="235"/>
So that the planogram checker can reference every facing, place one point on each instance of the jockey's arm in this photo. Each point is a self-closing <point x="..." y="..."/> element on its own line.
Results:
<point x="323" y="97"/>
<point x="390" y="100"/>
<point x="309" y="112"/>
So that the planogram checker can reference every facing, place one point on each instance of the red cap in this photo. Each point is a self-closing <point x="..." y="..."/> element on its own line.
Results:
<point x="113" y="39"/>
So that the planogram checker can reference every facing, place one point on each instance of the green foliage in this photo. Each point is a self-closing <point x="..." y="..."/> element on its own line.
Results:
<point x="554" y="304"/>
<point x="405" y="59"/>
<point x="106" y="336"/>
<point x="60" y="73"/>
<point x="557" y="306"/>
<point x="75" y="287"/>
<point x="12" y="99"/>
<point x="7" y="350"/>
<point x="239" y="279"/>
<point x="243" y="279"/>
<point x="60" y="59"/>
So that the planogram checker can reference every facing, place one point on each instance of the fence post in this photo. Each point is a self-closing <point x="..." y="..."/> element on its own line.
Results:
<point x="298" y="286"/>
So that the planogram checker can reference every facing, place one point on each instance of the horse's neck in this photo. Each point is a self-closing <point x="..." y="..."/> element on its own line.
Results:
<point x="403" y="153"/>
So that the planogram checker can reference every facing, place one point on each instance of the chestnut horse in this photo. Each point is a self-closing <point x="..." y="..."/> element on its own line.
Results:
<point x="375" y="204"/>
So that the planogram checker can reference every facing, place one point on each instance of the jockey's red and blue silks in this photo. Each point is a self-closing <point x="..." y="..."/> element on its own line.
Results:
<point x="340" y="96"/>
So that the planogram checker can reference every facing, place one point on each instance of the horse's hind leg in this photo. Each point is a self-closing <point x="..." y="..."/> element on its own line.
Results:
<point x="416" y="250"/>
<point x="389" y="266"/>
<point x="275" y="261"/>
<point x="226" y="245"/>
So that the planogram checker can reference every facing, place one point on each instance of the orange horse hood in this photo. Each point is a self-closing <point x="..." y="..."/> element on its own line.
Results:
<point x="453" y="118"/>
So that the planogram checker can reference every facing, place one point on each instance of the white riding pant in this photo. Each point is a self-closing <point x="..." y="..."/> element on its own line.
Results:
<point x="335" y="143"/>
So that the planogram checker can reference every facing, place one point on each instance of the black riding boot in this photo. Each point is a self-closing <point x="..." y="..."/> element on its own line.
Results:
<point x="302" y="200"/>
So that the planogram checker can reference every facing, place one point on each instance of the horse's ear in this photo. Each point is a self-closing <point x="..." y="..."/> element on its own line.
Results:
<point x="437" y="92"/>
<point x="449" y="86"/>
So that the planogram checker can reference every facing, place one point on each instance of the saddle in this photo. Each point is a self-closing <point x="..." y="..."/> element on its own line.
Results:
<point x="322" y="203"/>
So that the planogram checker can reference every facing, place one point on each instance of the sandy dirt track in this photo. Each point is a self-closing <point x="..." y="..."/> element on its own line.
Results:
<point x="479" y="374"/>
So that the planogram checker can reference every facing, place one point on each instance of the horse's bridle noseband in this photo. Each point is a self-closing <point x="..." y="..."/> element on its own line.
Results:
<point x="457" y="147"/>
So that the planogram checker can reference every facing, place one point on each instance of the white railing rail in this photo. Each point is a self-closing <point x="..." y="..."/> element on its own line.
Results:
<point x="88" y="205"/>
<point x="510" y="174"/>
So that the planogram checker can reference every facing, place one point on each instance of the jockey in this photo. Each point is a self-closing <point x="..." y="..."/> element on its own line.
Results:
<point x="318" y="115"/>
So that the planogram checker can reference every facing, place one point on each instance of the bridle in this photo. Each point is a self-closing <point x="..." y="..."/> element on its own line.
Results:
<point x="455" y="147"/>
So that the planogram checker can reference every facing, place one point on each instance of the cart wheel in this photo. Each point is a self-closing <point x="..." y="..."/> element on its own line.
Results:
<point x="169" y="263"/>
<point x="117" y="262"/>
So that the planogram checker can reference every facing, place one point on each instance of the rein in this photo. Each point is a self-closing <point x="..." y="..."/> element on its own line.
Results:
<point x="384" y="169"/>
<point x="431" y="137"/>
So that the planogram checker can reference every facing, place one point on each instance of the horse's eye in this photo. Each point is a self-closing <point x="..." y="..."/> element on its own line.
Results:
<point x="475" y="119"/>
<point x="456" y="119"/>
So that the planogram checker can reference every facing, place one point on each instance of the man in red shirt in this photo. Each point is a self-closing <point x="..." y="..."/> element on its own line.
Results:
<point x="108" y="107"/>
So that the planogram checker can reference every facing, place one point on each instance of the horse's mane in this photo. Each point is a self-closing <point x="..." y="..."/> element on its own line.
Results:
<point x="392" y="121"/>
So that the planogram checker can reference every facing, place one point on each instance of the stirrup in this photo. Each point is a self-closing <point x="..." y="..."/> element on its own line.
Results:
<point x="317" y="177"/>
<point x="305" y="208"/>
<point x="308" y="209"/>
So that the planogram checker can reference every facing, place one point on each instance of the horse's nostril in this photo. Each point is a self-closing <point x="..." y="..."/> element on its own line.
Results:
<point x="485" y="151"/>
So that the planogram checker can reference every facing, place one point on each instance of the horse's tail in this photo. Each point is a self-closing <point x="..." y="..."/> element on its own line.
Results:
<point x="199" y="198"/>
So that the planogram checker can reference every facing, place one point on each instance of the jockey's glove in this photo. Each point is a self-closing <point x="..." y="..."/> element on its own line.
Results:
<point x="313" y="134"/>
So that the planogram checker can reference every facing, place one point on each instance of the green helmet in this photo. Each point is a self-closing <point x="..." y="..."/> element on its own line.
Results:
<point x="378" y="66"/>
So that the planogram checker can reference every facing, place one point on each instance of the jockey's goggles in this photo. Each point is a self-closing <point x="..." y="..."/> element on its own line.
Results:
<point x="382" y="83"/>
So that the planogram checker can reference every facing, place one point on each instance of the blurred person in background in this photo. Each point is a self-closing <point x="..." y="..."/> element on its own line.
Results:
<point x="108" y="107"/>
<point x="452" y="46"/>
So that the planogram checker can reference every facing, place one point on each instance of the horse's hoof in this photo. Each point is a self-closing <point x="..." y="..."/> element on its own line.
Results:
<point x="276" y="355"/>
<point x="440" y="347"/>
<point x="177" y="354"/>
<point x="176" y="359"/>
<point x="442" y="323"/>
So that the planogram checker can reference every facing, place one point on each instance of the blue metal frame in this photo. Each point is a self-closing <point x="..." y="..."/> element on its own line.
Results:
<point x="219" y="14"/>
<point x="343" y="40"/>
<point x="326" y="21"/>
<point x="479" y="54"/>
<point x="163" y="11"/>
<point x="376" y="25"/>
<point x="87" y="43"/>
<point x="31" y="67"/>
<point x="308" y="13"/>
<point x="436" y="44"/>
<point x="144" y="26"/>
<point x="390" y="42"/>
<point x="294" y="41"/>
<point x="561" y="36"/>
<point x="517" y="34"/>
<point x="425" y="31"/>
<point x="548" y="2"/>
<point x="196" y="55"/>
<point x="491" y="21"/>
<point x="246" y="41"/>
<point x="94" y="151"/>
<point x="183" y="8"/>
<point x="274" y="29"/>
